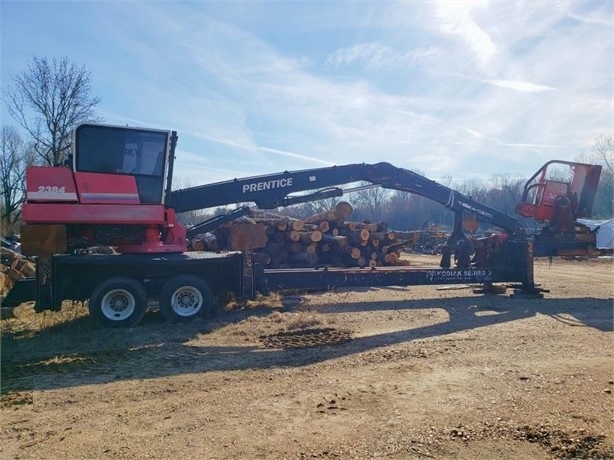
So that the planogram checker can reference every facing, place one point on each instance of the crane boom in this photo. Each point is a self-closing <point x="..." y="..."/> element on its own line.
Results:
<point x="273" y="190"/>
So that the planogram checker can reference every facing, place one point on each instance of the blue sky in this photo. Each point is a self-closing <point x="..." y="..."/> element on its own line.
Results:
<point x="460" y="89"/>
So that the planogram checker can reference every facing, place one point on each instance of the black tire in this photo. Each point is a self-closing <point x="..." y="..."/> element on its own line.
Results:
<point x="118" y="302"/>
<point x="184" y="298"/>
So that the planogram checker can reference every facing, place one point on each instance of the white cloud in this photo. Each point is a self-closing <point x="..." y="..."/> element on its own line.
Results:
<point x="523" y="86"/>
<point x="378" y="56"/>
<point x="458" y="18"/>
<point x="601" y="20"/>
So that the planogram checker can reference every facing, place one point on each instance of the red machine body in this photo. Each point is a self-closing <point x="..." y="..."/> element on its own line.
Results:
<point x="87" y="202"/>
<point x="122" y="208"/>
<point x="560" y="192"/>
<point x="57" y="195"/>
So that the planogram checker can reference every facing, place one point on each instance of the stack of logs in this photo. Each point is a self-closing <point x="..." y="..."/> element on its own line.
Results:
<point x="13" y="268"/>
<point x="326" y="239"/>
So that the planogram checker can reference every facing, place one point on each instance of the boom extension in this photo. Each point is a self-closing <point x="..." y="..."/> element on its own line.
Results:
<point x="272" y="191"/>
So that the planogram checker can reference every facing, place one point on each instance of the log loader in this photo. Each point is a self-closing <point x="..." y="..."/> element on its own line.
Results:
<point x="115" y="191"/>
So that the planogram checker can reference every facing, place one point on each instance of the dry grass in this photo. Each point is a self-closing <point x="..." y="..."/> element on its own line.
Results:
<point x="251" y="328"/>
<point x="68" y="341"/>
<point x="275" y="300"/>
<point x="26" y="322"/>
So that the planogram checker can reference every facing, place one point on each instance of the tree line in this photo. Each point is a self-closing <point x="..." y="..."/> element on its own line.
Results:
<point x="53" y="96"/>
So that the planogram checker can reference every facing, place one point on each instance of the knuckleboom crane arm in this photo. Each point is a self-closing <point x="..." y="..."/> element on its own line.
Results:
<point x="274" y="190"/>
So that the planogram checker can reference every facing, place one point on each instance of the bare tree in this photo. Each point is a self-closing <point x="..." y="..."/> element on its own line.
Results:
<point x="473" y="188"/>
<point x="15" y="156"/>
<point x="49" y="100"/>
<point x="602" y="152"/>
<point x="505" y="192"/>
<point x="603" y="148"/>
<point x="369" y="203"/>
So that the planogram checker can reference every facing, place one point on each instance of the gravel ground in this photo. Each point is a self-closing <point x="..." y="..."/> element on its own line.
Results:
<point x="418" y="372"/>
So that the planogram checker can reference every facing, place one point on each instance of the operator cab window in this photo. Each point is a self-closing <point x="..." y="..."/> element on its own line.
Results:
<point x="143" y="156"/>
<point x="112" y="150"/>
<point x="115" y="150"/>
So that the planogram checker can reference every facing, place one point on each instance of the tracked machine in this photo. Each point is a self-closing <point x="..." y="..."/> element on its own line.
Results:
<point x="116" y="191"/>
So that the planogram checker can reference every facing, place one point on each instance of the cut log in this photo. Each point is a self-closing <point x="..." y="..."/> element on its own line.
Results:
<point x="337" y="242"/>
<point x="16" y="265"/>
<point x="293" y="235"/>
<point x="360" y="226"/>
<point x="323" y="226"/>
<point x="280" y="222"/>
<point x="391" y="258"/>
<point x="245" y="237"/>
<point x="357" y="236"/>
<point x="353" y="252"/>
<point x="341" y="212"/>
<point x="296" y="224"/>
<point x="197" y="244"/>
<point x="310" y="237"/>
<point x="6" y="284"/>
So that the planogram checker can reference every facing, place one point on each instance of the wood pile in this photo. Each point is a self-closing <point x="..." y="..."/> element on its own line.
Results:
<point x="13" y="267"/>
<point x="325" y="239"/>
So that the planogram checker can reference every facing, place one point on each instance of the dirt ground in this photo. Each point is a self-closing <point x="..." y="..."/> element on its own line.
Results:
<point x="400" y="373"/>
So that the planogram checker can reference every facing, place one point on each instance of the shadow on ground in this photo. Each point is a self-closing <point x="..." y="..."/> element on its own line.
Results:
<point x="77" y="352"/>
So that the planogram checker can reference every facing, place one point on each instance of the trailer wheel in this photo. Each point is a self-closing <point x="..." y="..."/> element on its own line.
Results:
<point x="118" y="302"/>
<point x="184" y="298"/>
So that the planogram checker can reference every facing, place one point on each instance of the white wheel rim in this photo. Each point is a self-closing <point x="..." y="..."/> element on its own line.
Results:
<point x="186" y="301"/>
<point x="118" y="305"/>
